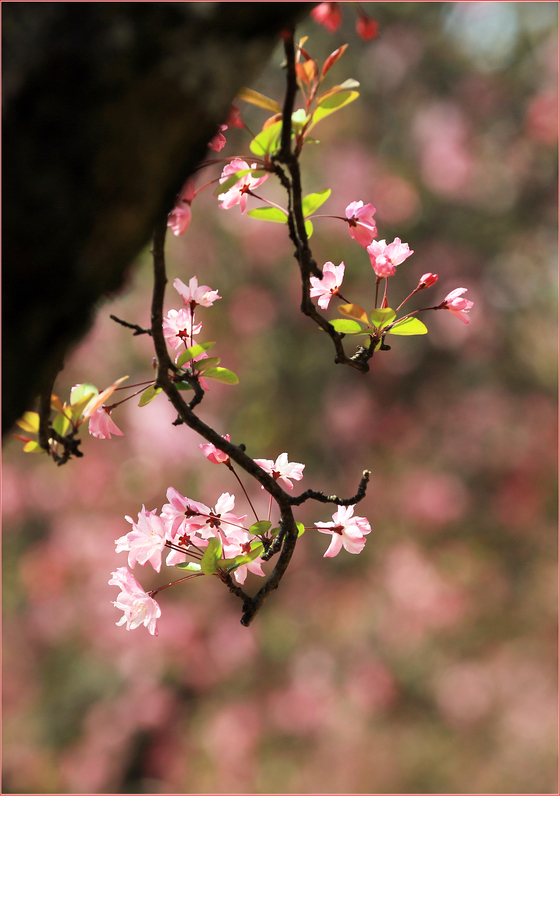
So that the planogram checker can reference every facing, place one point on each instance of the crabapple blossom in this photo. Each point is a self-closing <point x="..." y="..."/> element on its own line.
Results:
<point x="385" y="257"/>
<point x="347" y="531"/>
<point x="234" y="119"/>
<point x="178" y="509"/>
<point x="329" y="15"/>
<point x="282" y="470"/>
<point x="101" y="424"/>
<point x="178" y="325"/>
<point x="138" y="606"/>
<point x="361" y="223"/>
<point x="195" y="294"/>
<point x="240" y="573"/>
<point x="213" y="454"/>
<point x="185" y="539"/>
<point x="179" y="218"/>
<point x="218" y="142"/>
<point x="212" y="522"/>
<point x="238" y="192"/>
<point x="326" y="287"/>
<point x="146" y="540"/>
<point x="457" y="305"/>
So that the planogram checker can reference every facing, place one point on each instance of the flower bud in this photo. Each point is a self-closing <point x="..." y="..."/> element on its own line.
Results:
<point x="427" y="281"/>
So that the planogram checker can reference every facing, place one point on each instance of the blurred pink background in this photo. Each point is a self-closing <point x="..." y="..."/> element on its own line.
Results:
<point x="428" y="664"/>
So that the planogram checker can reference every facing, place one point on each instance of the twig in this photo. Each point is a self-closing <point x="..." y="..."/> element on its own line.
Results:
<point x="137" y="328"/>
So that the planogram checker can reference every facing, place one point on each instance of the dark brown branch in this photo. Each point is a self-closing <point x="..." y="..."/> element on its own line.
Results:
<point x="137" y="328"/>
<point x="333" y="498"/>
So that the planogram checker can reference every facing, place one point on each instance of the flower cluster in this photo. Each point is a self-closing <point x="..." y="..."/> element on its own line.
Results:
<point x="213" y="540"/>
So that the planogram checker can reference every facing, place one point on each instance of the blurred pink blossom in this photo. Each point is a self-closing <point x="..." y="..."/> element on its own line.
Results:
<point x="179" y="218"/>
<point x="213" y="454"/>
<point x="282" y="470"/>
<point x="329" y="15"/>
<point x="138" y="606"/>
<point x="326" y="287"/>
<point x="457" y="305"/>
<point x="366" y="27"/>
<point x="218" y="142"/>
<point x="101" y="424"/>
<point x="347" y="531"/>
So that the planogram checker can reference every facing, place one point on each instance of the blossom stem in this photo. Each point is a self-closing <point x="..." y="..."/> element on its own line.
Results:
<point x="270" y="203"/>
<point x="230" y="467"/>
<point x="171" y="583"/>
<point x="135" y="394"/>
<point x="416" y="289"/>
<point x="377" y="281"/>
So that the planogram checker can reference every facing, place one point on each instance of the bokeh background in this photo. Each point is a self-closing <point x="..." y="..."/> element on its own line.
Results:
<point x="428" y="664"/>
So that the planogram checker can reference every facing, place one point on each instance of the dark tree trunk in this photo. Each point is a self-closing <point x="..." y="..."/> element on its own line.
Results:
<point x="108" y="107"/>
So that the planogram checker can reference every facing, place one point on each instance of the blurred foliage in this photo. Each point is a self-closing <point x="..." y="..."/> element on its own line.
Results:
<point x="428" y="663"/>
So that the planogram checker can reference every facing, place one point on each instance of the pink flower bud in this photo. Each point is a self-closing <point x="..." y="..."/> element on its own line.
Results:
<point x="427" y="280"/>
<point x="366" y="27"/>
<point x="234" y="118"/>
<point x="213" y="454"/>
<point x="329" y="15"/>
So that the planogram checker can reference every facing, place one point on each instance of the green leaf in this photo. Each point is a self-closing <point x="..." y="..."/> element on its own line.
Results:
<point x="258" y="100"/>
<point x="213" y="552"/>
<point x="202" y="364"/>
<point x="308" y="228"/>
<point x="220" y="374"/>
<point x="189" y="566"/>
<point x="268" y="214"/>
<point x="354" y="311"/>
<point x="149" y="395"/>
<point x="81" y="391"/>
<point x="78" y="408"/>
<point x="260" y="527"/>
<point x="33" y="447"/>
<point x="331" y="104"/>
<point x="346" y="326"/>
<point x="313" y="201"/>
<point x="62" y="424"/>
<point x="300" y="528"/>
<point x="345" y="86"/>
<point x="231" y="564"/>
<point x="193" y="351"/>
<point x="183" y="386"/>
<point x="299" y="119"/>
<point x="29" y="422"/>
<point x="382" y="317"/>
<point x="409" y="326"/>
<point x="267" y="141"/>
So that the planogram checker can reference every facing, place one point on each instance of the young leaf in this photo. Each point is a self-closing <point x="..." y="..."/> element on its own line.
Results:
<point x="346" y="326"/>
<point x="189" y="566"/>
<point x="308" y="228"/>
<point x="258" y="100"/>
<point x="29" y="422"/>
<point x="347" y="85"/>
<point x="78" y="408"/>
<point x="183" y="386"/>
<point x="381" y="317"/>
<point x="193" y="351"/>
<point x="354" y="311"/>
<point x="409" y="326"/>
<point x="267" y="141"/>
<point x="62" y="424"/>
<point x="33" y="447"/>
<point x="220" y="374"/>
<point x="202" y="364"/>
<point x="79" y="391"/>
<point x="299" y="119"/>
<point x="209" y="561"/>
<point x="260" y="527"/>
<point x="300" y="528"/>
<point x="231" y="564"/>
<point x="330" y="60"/>
<point x="268" y="214"/>
<point x="313" y="201"/>
<point x="332" y="104"/>
<point x="149" y="395"/>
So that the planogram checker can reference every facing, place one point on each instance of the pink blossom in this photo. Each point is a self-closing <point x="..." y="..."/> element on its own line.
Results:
<point x="101" y="424"/>
<point x="178" y="326"/>
<point x="237" y="549"/>
<point x="361" y="223"/>
<point x="366" y="27"/>
<point x="457" y="305"/>
<point x="146" y="540"/>
<point x="329" y="15"/>
<point x="326" y="287"/>
<point x="138" y="606"/>
<point x="213" y="454"/>
<point x="218" y="142"/>
<point x="347" y="531"/>
<point x="184" y="538"/>
<point x="180" y="509"/>
<point x="195" y="295"/>
<point x="282" y="470"/>
<point x="385" y="257"/>
<point x="213" y="522"/>
<point x="179" y="218"/>
<point x="427" y="280"/>
<point x="238" y="193"/>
